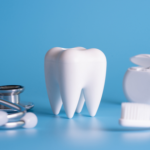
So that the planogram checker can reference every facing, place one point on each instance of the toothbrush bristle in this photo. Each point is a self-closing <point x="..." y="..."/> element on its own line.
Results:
<point x="135" y="111"/>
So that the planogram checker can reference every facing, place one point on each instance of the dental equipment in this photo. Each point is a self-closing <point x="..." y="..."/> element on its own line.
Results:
<point x="11" y="93"/>
<point x="136" y="86"/>
<point x="17" y="119"/>
<point x="135" y="115"/>
<point x="136" y="83"/>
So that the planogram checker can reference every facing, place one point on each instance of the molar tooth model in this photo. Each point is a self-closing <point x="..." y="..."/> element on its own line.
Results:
<point x="72" y="75"/>
<point x="136" y="83"/>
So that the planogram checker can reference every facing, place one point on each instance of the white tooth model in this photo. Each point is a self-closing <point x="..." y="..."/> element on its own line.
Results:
<point x="136" y="81"/>
<point x="72" y="75"/>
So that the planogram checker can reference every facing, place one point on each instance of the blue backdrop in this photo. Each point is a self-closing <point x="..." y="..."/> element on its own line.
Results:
<point x="29" y="28"/>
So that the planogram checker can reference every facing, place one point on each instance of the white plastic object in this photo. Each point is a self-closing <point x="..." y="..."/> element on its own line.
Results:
<point x="142" y="60"/>
<point x="30" y="120"/>
<point x="136" y="83"/>
<point x="135" y="115"/>
<point x="70" y="71"/>
<point x="3" y="118"/>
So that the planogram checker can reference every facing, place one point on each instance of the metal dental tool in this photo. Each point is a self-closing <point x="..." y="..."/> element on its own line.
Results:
<point x="13" y="116"/>
<point x="11" y="94"/>
<point x="16" y="119"/>
<point x="12" y="113"/>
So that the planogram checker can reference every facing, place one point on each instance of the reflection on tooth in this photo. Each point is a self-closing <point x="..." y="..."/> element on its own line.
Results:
<point x="70" y="71"/>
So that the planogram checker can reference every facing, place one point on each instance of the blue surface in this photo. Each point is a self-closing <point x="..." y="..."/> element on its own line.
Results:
<point x="121" y="29"/>
<point x="81" y="132"/>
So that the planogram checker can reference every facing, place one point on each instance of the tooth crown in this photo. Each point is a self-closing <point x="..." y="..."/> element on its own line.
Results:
<point x="70" y="71"/>
<point x="75" y="55"/>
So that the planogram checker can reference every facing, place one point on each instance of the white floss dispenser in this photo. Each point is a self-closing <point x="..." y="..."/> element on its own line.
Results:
<point x="136" y="83"/>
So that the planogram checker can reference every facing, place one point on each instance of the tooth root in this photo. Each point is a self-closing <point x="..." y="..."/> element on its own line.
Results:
<point x="70" y="87"/>
<point x="55" y="99"/>
<point x="92" y="99"/>
<point x="93" y="91"/>
<point x="52" y="89"/>
<point x="70" y="98"/>
<point x="80" y="103"/>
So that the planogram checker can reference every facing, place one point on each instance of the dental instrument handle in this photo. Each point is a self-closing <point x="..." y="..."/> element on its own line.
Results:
<point x="13" y="125"/>
<point x="17" y="115"/>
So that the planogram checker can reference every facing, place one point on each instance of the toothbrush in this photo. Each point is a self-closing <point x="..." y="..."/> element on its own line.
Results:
<point x="135" y="115"/>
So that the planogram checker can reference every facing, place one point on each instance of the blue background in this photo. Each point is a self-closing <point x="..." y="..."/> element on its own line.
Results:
<point x="28" y="29"/>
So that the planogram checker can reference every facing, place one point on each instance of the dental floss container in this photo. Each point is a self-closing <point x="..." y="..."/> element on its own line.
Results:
<point x="136" y="83"/>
